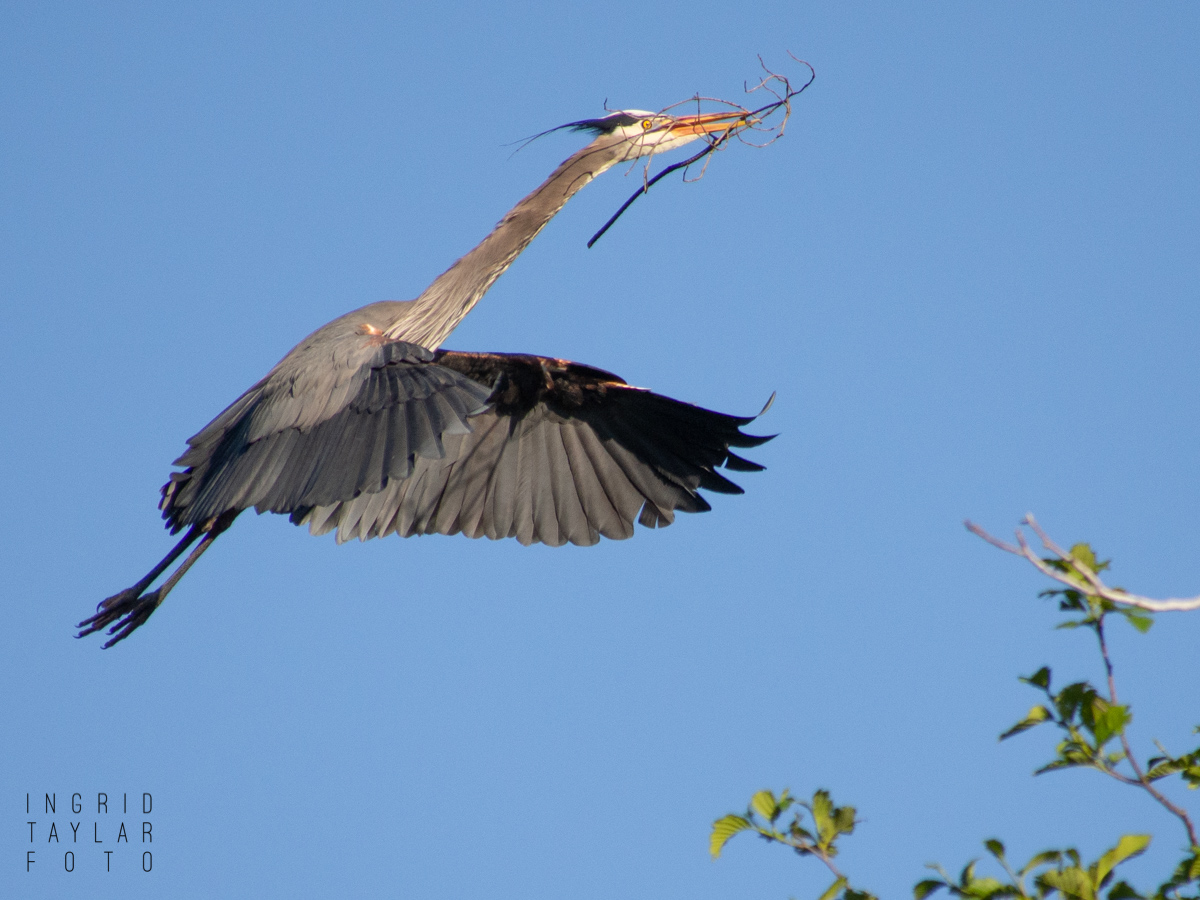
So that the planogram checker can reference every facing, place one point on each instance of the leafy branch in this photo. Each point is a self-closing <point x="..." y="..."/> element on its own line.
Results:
<point x="829" y="822"/>
<point x="1074" y="572"/>
<point x="1088" y="719"/>
<point x="1062" y="871"/>
<point x="1093" y="725"/>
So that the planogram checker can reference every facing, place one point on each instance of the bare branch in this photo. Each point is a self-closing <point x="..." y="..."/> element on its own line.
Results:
<point x="994" y="541"/>
<point x="1086" y="579"/>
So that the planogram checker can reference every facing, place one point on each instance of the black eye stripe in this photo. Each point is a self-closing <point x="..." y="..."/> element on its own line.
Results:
<point x="607" y="125"/>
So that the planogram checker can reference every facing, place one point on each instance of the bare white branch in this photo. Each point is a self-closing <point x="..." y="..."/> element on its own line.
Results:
<point x="1085" y="578"/>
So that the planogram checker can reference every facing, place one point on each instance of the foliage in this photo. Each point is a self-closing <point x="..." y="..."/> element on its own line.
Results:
<point x="1061" y="870"/>
<point x="1092" y="727"/>
<point x="829" y="822"/>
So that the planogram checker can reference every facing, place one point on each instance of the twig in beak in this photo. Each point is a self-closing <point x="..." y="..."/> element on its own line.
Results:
<point x="752" y="119"/>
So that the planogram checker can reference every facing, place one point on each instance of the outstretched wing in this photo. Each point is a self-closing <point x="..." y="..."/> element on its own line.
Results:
<point x="563" y="452"/>
<point x="297" y="440"/>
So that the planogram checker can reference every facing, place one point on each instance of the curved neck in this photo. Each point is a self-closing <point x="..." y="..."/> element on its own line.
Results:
<point x="433" y="315"/>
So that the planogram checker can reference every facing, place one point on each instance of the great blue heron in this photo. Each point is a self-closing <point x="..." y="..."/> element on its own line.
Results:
<point x="367" y="427"/>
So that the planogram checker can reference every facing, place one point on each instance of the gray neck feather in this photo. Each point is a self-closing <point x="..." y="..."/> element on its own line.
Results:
<point x="430" y="318"/>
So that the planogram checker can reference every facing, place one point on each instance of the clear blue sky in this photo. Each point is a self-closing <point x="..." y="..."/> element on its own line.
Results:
<point x="970" y="270"/>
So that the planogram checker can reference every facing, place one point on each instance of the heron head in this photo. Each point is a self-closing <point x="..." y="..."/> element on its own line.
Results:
<point x="646" y="133"/>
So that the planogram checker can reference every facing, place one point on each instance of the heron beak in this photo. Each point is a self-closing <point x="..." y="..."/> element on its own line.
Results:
<point x="709" y="123"/>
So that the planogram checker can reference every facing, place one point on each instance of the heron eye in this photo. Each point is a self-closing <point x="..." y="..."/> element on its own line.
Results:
<point x="647" y="124"/>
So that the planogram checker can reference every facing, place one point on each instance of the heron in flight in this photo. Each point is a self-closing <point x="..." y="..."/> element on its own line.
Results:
<point x="368" y="428"/>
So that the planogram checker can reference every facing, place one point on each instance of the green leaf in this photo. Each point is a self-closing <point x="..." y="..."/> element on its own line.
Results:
<point x="834" y="889"/>
<point x="1045" y="858"/>
<point x="1040" y="678"/>
<point x="1189" y="869"/>
<point x="1036" y="716"/>
<point x="1139" y="619"/>
<point x="822" y="813"/>
<point x="1071" y="882"/>
<point x="822" y="808"/>
<point x="1086" y="555"/>
<point x="1128" y="846"/>
<point x="765" y="804"/>
<point x="1052" y="766"/>
<point x="1188" y="765"/>
<point x="1108" y="721"/>
<point x="843" y="819"/>
<point x="1123" y="890"/>
<point x="987" y="887"/>
<point x="785" y="800"/>
<point x="968" y="873"/>
<point x="1162" y="767"/>
<point x="1075" y="699"/>
<point x="923" y="889"/>
<point x="995" y="848"/>
<point x="723" y="829"/>
<point x="800" y="833"/>
<point x="1073" y="623"/>
<point x="1071" y="601"/>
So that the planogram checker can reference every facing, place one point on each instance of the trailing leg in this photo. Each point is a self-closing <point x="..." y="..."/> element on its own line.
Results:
<point x="129" y="609"/>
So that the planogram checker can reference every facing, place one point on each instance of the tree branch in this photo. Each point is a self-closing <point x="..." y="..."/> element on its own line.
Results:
<point x="1081" y="577"/>
<point x="1142" y="781"/>
<point x="1091" y="581"/>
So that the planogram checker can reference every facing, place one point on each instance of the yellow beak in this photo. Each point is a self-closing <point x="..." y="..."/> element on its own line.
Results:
<point x="709" y="123"/>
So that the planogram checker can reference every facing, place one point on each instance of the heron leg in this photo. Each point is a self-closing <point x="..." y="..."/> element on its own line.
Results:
<point x="130" y="608"/>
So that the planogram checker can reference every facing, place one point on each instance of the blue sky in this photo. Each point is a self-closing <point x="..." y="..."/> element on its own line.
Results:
<point x="970" y="271"/>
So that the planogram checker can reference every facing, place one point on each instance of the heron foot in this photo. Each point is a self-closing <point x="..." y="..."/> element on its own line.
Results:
<point x="128" y="610"/>
<point x="125" y="612"/>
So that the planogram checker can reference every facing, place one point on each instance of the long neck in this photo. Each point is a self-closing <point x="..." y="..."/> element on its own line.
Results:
<point x="442" y="305"/>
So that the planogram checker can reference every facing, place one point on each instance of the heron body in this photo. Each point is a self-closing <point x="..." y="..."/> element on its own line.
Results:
<point x="366" y="427"/>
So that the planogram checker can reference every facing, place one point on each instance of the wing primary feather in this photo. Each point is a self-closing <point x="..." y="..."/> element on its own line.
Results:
<point x="504" y="484"/>
<point x="573" y="525"/>
<point x="735" y="463"/>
